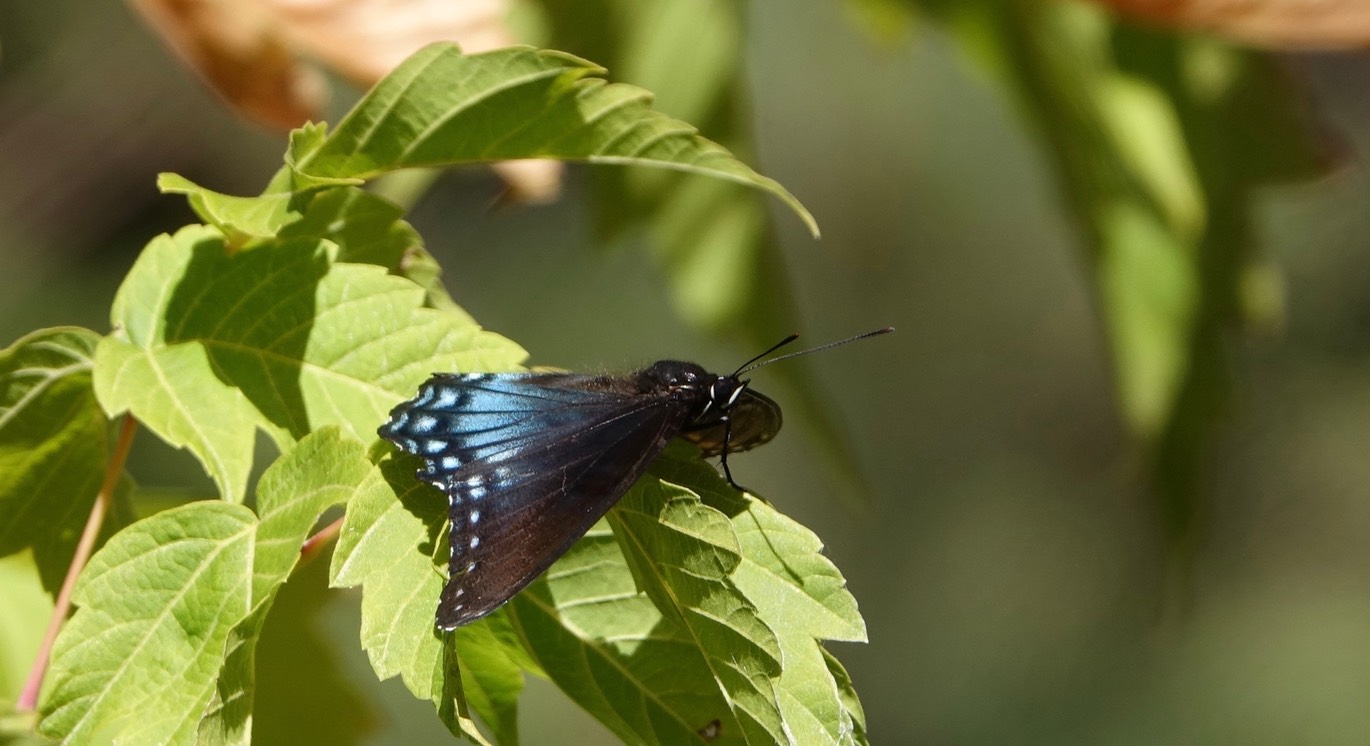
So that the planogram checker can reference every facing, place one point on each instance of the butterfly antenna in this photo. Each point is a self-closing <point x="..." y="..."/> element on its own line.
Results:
<point x="743" y="367"/>
<point x="750" y="366"/>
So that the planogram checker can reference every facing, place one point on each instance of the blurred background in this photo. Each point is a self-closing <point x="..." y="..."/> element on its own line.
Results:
<point x="1112" y="473"/>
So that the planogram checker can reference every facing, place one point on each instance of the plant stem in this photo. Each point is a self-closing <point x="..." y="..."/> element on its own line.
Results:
<point x="28" y="697"/>
<point x="313" y="545"/>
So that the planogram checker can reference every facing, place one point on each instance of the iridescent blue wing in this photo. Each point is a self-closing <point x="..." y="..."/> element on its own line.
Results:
<point x="529" y="462"/>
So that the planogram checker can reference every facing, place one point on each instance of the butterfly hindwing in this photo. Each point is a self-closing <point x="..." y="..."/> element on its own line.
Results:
<point x="753" y="419"/>
<point x="529" y="462"/>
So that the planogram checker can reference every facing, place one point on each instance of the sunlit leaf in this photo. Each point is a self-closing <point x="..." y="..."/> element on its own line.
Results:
<point x="444" y="108"/>
<point x="213" y="345"/>
<point x="140" y="667"/>
<point x="799" y="593"/>
<point x="605" y="644"/>
<point x="175" y="659"/>
<point x="321" y="471"/>
<point x="683" y="553"/>
<point x="240" y="218"/>
<point x="386" y="546"/>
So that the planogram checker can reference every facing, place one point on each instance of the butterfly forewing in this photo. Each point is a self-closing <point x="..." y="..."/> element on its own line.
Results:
<point x="529" y="462"/>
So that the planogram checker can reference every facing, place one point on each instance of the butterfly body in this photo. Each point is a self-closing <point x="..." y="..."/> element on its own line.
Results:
<point x="530" y="461"/>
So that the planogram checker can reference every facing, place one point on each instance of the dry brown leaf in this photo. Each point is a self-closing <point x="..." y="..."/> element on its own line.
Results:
<point x="253" y="52"/>
<point x="365" y="39"/>
<point x="236" y="52"/>
<point x="1280" y="24"/>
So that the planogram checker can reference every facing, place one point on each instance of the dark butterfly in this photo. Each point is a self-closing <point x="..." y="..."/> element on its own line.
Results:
<point x="530" y="461"/>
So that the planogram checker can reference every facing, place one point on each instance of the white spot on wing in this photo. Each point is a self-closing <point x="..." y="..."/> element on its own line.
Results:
<point x="447" y="398"/>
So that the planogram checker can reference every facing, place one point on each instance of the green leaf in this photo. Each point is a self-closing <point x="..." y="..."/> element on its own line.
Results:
<point x="174" y="392"/>
<point x="658" y="35"/>
<point x="212" y="345"/>
<point x="304" y="143"/>
<point x="710" y="235"/>
<point x="782" y="563"/>
<point x="206" y="575"/>
<point x="240" y="218"/>
<point x="321" y="471"/>
<point x="608" y="648"/>
<point x="139" y="667"/>
<point x="803" y="598"/>
<point x="1161" y="142"/>
<point x="797" y="591"/>
<point x="386" y="546"/>
<point x="847" y="691"/>
<point x="1148" y="138"/>
<point x="27" y="609"/>
<point x="1127" y="169"/>
<point x="1151" y="295"/>
<point x="648" y="676"/>
<point x="441" y="108"/>
<point x="369" y="230"/>
<point x="54" y="450"/>
<point x="725" y="270"/>
<point x="366" y="228"/>
<point x="683" y="554"/>
<point x="53" y="437"/>
<point x="452" y="711"/>
<point x="491" y="675"/>
<point x="650" y="684"/>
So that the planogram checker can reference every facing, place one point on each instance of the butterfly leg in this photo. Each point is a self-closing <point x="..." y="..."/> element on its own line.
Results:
<point x="723" y="457"/>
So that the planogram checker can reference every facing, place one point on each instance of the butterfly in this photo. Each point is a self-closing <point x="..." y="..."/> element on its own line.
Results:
<point x="530" y="461"/>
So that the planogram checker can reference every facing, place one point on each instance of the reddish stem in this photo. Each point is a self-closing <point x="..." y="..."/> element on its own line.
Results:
<point x="314" y="544"/>
<point x="28" y="698"/>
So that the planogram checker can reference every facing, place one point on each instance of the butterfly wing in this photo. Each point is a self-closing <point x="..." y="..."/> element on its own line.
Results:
<point x="529" y="462"/>
<point x="754" y="419"/>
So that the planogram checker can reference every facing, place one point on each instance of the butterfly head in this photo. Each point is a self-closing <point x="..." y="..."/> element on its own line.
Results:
<point x="691" y="382"/>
